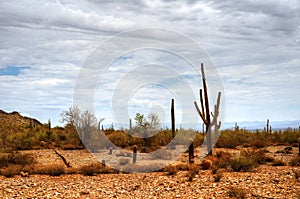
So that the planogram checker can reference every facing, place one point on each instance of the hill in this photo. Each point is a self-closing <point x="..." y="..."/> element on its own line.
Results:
<point x="19" y="132"/>
<point x="15" y="119"/>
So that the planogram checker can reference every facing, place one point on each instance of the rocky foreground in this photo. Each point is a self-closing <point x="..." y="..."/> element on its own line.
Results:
<point x="263" y="182"/>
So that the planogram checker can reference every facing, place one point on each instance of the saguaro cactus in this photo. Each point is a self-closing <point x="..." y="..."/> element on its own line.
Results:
<point x="134" y="154"/>
<point x="173" y="118"/>
<point x="216" y="115"/>
<point x="130" y="124"/>
<point x="268" y="126"/>
<point x="191" y="152"/>
<point x="204" y="113"/>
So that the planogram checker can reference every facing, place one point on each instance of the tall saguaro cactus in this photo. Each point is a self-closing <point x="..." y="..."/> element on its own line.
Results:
<point x="173" y="118"/>
<point x="268" y="126"/>
<point x="204" y="113"/>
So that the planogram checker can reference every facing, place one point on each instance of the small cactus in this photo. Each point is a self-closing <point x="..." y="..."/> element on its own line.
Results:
<point x="134" y="154"/>
<point x="191" y="152"/>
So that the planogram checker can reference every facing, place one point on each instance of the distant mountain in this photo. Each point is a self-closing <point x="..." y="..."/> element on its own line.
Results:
<point x="260" y="125"/>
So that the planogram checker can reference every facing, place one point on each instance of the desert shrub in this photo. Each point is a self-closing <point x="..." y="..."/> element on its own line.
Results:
<point x="198" y="140"/>
<point x="206" y="164"/>
<point x="278" y="163"/>
<point x="71" y="146"/>
<point x="15" y="158"/>
<point x="217" y="177"/>
<point x="174" y="168"/>
<point x="232" y="139"/>
<point x="236" y="192"/>
<point x="11" y="171"/>
<point x="289" y="136"/>
<point x="258" y="143"/>
<point x="259" y="156"/>
<point x="192" y="172"/>
<point x="91" y="170"/>
<point x="52" y="170"/>
<point x="242" y="163"/>
<point x="297" y="174"/>
<point x="119" y="138"/>
<point x="171" y="169"/>
<point x="295" y="161"/>
<point x="223" y="159"/>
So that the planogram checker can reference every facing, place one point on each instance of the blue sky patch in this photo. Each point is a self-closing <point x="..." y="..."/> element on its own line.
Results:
<point x="12" y="70"/>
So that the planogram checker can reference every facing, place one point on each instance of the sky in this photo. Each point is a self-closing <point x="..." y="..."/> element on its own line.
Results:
<point x="253" y="49"/>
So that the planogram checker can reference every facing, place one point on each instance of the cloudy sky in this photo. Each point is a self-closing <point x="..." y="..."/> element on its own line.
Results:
<point x="254" y="45"/>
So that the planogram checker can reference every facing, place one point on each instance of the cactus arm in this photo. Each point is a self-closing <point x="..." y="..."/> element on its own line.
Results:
<point x="199" y="112"/>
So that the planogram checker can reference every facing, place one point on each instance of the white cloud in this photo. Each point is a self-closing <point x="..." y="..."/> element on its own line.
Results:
<point x="254" y="43"/>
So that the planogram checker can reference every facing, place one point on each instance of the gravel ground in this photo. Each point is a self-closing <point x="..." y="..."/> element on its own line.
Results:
<point x="263" y="182"/>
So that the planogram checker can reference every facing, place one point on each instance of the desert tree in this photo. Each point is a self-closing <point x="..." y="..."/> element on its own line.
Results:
<point x="85" y="121"/>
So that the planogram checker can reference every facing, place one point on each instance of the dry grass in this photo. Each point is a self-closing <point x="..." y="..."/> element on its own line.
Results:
<point x="242" y="163"/>
<point x="90" y="170"/>
<point x="15" y="158"/>
<point x="11" y="171"/>
<point x="51" y="170"/>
